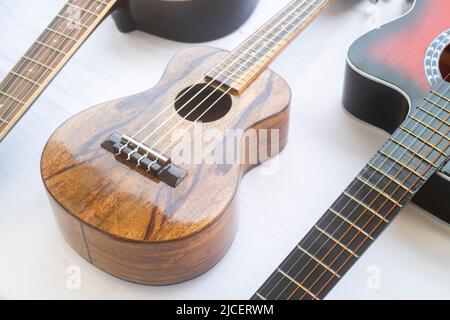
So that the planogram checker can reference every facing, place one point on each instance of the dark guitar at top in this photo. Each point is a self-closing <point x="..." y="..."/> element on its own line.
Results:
<point x="395" y="81"/>
<point x="78" y="18"/>
<point x="121" y="197"/>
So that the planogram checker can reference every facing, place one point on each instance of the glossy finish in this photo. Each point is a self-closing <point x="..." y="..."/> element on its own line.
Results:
<point x="137" y="228"/>
<point x="386" y="71"/>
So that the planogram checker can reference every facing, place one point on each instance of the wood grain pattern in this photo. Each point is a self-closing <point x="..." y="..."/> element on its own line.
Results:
<point x="132" y="226"/>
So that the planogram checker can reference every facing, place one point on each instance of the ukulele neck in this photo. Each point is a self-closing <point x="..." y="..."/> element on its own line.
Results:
<point x="48" y="54"/>
<point x="242" y="66"/>
<point x="389" y="181"/>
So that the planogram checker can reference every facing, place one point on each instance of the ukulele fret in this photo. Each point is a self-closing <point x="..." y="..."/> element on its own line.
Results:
<point x="253" y="57"/>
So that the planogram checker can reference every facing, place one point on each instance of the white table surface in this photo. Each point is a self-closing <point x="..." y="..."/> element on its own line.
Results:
<point x="327" y="148"/>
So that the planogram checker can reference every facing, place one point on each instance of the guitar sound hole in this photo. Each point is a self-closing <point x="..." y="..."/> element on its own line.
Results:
<point x="444" y="64"/>
<point x="208" y="104"/>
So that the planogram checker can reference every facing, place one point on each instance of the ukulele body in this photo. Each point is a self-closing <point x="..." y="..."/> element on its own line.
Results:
<point x="187" y="21"/>
<point x="135" y="227"/>
<point x="390" y="67"/>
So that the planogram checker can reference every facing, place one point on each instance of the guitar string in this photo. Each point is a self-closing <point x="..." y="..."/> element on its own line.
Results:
<point x="393" y="207"/>
<point x="297" y="7"/>
<point x="169" y="106"/>
<point x="335" y="218"/>
<point x="428" y="167"/>
<point x="49" y="35"/>
<point x="214" y="103"/>
<point x="53" y="37"/>
<point x="405" y="166"/>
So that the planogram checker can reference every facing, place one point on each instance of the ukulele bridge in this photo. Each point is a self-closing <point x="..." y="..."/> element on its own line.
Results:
<point x="147" y="160"/>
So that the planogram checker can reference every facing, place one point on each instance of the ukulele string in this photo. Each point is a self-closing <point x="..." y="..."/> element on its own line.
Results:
<point x="198" y="82"/>
<point x="340" y="198"/>
<point x="420" y="176"/>
<point x="288" y="15"/>
<point x="282" y="22"/>
<point x="52" y="36"/>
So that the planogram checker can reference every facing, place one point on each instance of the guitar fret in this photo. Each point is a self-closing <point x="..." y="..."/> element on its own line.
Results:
<point x="11" y="97"/>
<point x="336" y="241"/>
<point x="440" y="96"/>
<point x="362" y="204"/>
<point x="37" y="62"/>
<point x="61" y="34"/>
<point x="328" y="268"/>
<point x="25" y="78"/>
<point x="383" y="193"/>
<point x="82" y="9"/>
<point x="3" y="121"/>
<point x="429" y="127"/>
<point x="362" y="212"/>
<point x="414" y="152"/>
<point x="403" y="165"/>
<point x="73" y="21"/>
<point x="260" y="296"/>
<point x="50" y="47"/>
<point x="436" y="117"/>
<point x="392" y="179"/>
<point x="351" y="223"/>
<point x="297" y="283"/>
<point x="439" y="106"/>
<point x="423" y="140"/>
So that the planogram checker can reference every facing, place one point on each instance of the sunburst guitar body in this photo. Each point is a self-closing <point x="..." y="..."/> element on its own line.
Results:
<point x="394" y="66"/>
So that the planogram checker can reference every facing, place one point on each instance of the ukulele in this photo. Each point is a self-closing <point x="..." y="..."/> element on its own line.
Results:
<point x="129" y="204"/>
<point x="395" y="80"/>
<point x="76" y="21"/>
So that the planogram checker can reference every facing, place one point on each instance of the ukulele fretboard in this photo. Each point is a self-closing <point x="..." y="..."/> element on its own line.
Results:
<point x="37" y="67"/>
<point x="414" y="152"/>
<point x="245" y="63"/>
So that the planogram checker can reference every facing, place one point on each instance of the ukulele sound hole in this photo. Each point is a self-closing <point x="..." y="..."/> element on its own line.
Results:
<point x="203" y="103"/>
<point x="444" y="64"/>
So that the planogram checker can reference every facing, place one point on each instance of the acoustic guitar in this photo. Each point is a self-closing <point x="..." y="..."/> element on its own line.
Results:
<point x="395" y="80"/>
<point x="78" y="18"/>
<point x="131" y="205"/>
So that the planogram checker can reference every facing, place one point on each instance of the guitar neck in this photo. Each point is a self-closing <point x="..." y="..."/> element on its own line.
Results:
<point x="48" y="54"/>
<point x="242" y="66"/>
<point x="389" y="181"/>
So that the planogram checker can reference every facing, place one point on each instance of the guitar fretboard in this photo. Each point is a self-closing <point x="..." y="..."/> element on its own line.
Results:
<point x="37" y="67"/>
<point x="247" y="62"/>
<point x="414" y="152"/>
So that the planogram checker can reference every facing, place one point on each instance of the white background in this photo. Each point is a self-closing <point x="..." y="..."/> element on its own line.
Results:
<point x="326" y="150"/>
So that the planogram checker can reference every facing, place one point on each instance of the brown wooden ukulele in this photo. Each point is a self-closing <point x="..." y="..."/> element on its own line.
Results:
<point x="180" y="20"/>
<point x="121" y="197"/>
<point x="395" y="80"/>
